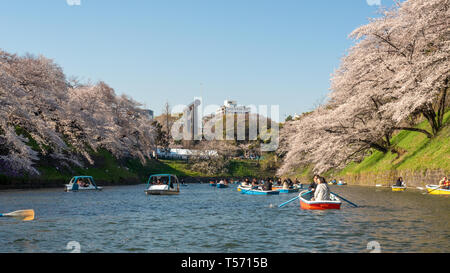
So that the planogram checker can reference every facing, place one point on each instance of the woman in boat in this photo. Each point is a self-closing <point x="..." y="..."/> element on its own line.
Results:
<point x="246" y="182"/>
<point x="400" y="182"/>
<point x="444" y="183"/>
<point x="322" y="192"/>
<point x="279" y="182"/>
<point x="83" y="183"/>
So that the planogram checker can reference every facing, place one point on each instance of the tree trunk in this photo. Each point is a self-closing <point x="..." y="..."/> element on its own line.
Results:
<point x="441" y="106"/>
<point x="428" y="134"/>
<point x="430" y="115"/>
<point x="375" y="146"/>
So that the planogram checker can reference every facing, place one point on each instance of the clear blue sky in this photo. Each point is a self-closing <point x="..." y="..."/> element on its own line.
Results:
<point x="254" y="51"/>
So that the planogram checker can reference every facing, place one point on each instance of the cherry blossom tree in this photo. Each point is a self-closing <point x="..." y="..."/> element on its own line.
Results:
<point x="43" y="116"/>
<point x="397" y="69"/>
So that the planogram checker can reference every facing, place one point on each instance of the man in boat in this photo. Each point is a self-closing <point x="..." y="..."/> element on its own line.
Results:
<point x="285" y="185"/>
<point x="267" y="186"/>
<point x="322" y="192"/>
<point x="254" y="183"/>
<point x="87" y="183"/>
<point x="290" y="183"/>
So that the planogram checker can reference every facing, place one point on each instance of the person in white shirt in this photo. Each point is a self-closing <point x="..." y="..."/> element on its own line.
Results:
<point x="322" y="192"/>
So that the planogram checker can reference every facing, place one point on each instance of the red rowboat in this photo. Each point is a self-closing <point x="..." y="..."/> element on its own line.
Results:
<point x="307" y="204"/>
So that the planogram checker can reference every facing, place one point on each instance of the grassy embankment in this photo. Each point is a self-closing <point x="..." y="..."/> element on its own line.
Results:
<point x="419" y="153"/>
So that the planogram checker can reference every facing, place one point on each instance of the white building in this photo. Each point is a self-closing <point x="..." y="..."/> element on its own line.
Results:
<point x="184" y="153"/>
<point x="231" y="107"/>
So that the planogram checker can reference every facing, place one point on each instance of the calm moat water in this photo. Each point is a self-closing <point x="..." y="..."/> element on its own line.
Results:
<point x="208" y="220"/>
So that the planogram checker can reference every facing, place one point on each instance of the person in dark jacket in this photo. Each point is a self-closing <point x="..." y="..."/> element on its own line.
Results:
<point x="399" y="182"/>
<point x="290" y="183"/>
<point x="314" y="184"/>
<point x="268" y="185"/>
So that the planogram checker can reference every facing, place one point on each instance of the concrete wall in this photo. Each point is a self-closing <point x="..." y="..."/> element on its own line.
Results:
<point x="411" y="178"/>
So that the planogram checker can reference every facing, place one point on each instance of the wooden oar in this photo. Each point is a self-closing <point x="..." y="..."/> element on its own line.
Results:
<point x="293" y="199"/>
<point x="345" y="199"/>
<point x="24" y="215"/>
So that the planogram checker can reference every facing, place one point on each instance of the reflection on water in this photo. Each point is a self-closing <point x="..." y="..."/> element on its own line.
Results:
<point x="206" y="219"/>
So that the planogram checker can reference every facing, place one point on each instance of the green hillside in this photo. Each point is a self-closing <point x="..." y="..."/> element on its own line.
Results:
<point x="417" y="152"/>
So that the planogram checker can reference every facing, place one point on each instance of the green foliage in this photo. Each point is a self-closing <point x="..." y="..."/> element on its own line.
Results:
<point x="270" y="162"/>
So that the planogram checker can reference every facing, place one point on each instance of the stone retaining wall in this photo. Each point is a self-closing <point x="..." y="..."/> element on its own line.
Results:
<point x="411" y="178"/>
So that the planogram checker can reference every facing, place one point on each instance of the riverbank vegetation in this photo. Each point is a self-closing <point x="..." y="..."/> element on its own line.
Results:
<point x="108" y="170"/>
<point x="388" y="101"/>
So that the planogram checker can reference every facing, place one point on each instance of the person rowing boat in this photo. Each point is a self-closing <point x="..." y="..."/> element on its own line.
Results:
<point x="255" y="183"/>
<point x="444" y="183"/>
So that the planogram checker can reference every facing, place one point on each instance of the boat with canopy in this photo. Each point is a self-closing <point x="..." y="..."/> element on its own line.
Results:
<point x="163" y="184"/>
<point x="82" y="183"/>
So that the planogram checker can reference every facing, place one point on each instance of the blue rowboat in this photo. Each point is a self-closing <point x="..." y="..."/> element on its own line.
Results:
<point x="222" y="186"/>
<point x="257" y="191"/>
<point x="288" y="190"/>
